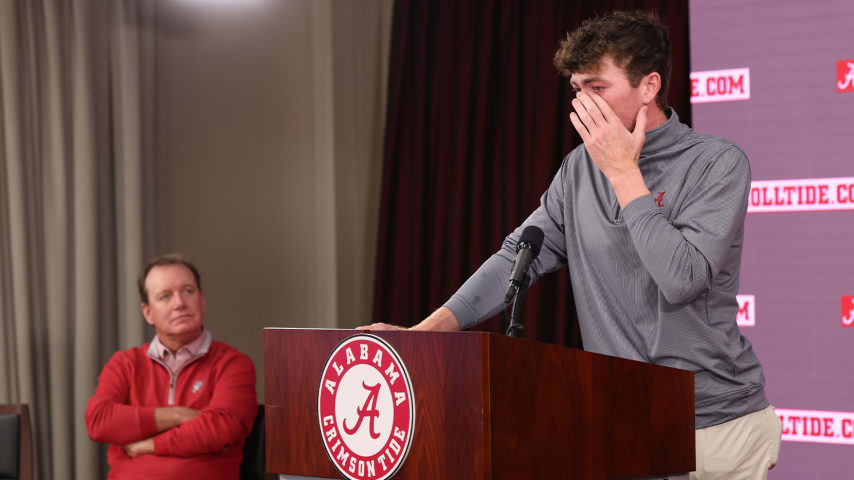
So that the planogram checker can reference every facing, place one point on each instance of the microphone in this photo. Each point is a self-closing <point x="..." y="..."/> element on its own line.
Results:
<point x="527" y="250"/>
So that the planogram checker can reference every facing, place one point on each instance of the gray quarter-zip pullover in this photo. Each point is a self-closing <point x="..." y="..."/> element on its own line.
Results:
<point x="655" y="282"/>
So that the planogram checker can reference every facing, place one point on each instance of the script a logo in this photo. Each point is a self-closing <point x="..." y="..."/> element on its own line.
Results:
<point x="366" y="408"/>
<point x="845" y="76"/>
<point x="848" y="311"/>
<point x="369" y="409"/>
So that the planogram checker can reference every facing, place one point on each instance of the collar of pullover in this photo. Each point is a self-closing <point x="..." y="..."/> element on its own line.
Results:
<point x="664" y="135"/>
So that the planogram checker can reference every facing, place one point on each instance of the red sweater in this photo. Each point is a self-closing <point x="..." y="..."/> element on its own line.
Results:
<point x="221" y="384"/>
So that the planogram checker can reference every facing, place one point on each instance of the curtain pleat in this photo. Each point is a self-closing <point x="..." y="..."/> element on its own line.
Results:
<point x="71" y="210"/>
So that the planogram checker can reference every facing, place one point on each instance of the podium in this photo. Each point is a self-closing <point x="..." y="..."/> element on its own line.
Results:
<point x="493" y="407"/>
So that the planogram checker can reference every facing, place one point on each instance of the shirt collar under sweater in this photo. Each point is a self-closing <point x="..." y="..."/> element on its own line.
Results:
<point x="175" y="362"/>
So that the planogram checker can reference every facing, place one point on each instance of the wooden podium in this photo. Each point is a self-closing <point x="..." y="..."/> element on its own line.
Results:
<point x="493" y="407"/>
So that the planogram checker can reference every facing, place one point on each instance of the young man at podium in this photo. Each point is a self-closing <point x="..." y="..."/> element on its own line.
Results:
<point x="649" y="217"/>
<point x="182" y="405"/>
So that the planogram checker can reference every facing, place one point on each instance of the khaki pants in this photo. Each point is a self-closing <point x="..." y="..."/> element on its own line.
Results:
<point x="741" y="449"/>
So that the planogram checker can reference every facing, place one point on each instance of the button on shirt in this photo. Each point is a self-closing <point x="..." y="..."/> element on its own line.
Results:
<point x="174" y="362"/>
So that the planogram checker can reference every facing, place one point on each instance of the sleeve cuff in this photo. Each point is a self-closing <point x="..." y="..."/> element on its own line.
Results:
<point x="639" y="207"/>
<point x="147" y="424"/>
<point x="465" y="314"/>
<point x="161" y="446"/>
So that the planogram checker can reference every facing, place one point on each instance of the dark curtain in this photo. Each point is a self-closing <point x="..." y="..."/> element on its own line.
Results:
<point x="477" y="126"/>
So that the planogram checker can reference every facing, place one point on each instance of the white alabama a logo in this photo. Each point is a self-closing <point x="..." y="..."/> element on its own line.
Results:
<point x="365" y="408"/>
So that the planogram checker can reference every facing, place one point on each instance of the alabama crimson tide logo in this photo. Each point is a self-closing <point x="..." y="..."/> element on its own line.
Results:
<point x="845" y="75"/>
<point x="848" y="311"/>
<point x="365" y="408"/>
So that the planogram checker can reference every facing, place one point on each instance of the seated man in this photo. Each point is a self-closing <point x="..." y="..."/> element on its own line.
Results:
<point x="181" y="406"/>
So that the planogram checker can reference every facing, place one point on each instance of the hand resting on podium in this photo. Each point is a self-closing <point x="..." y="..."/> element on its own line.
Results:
<point x="442" y="320"/>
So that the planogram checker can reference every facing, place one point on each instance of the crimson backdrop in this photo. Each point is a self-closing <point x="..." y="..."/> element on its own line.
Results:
<point x="477" y="126"/>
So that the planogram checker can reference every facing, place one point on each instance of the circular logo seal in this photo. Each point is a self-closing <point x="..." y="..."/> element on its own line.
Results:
<point x="365" y="408"/>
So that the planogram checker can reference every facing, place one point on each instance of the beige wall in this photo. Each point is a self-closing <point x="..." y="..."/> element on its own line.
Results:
<point x="270" y="116"/>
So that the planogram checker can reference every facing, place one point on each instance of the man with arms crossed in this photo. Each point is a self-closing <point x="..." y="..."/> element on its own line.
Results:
<point x="649" y="216"/>
<point x="181" y="406"/>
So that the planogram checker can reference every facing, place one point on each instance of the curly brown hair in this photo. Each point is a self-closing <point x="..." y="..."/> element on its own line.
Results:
<point x="637" y="42"/>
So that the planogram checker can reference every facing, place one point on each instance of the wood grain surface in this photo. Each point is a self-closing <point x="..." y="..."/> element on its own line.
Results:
<point x="489" y="406"/>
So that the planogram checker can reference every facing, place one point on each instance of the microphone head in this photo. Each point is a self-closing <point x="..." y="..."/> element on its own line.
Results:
<point x="533" y="236"/>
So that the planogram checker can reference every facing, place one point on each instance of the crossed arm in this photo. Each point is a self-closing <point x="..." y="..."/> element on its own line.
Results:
<point x="173" y="431"/>
<point x="164" y="418"/>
